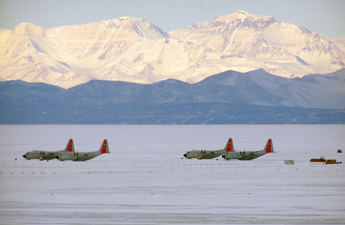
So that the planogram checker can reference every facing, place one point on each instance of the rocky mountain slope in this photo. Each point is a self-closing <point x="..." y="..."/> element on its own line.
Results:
<point x="228" y="97"/>
<point x="135" y="50"/>
<point x="254" y="88"/>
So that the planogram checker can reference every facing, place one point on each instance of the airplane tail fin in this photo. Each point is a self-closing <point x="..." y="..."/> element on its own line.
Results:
<point x="229" y="147"/>
<point x="70" y="146"/>
<point x="269" y="146"/>
<point x="104" y="147"/>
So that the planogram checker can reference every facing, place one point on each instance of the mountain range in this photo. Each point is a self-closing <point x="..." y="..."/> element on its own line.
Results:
<point x="228" y="97"/>
<point x="135" y="50"/>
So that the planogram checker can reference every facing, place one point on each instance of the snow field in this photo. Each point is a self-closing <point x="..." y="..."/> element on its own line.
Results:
<point x="145" y="181"/>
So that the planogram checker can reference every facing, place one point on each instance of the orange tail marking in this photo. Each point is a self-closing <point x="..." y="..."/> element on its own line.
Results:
<point x="104" y="147"/>
<point x="69" y="146"/>
<point x="269" y="146"/>
<point x="229" y="147"/>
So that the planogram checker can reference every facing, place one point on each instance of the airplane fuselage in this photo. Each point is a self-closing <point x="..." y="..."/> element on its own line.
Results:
<point x="77" y="156"/>
<point x="42" y="155"/>
<point x="244" y="155"/>
<point x="204" y="154"/>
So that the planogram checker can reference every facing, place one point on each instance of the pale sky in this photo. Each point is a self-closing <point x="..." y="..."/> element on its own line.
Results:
<point x="327" y="17"/>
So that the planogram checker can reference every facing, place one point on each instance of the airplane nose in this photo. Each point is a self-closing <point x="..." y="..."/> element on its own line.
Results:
<point x="223" y="156"/>
<point x="57" y="157"/>
<point x="185" y="155"/>
<point x="24" y="156"/>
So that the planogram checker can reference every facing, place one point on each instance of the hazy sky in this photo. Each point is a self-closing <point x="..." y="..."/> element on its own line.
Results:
<point x="327" y="17"/>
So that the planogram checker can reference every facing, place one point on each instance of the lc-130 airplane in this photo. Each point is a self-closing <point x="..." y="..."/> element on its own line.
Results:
<point x="46" y="155"/>
<point x="83" y="156"/>
<point x="250" y="154"/>
<point x="210" y="154"/>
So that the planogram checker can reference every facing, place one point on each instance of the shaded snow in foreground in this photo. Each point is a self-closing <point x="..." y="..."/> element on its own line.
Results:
<point x="145" y="181"/>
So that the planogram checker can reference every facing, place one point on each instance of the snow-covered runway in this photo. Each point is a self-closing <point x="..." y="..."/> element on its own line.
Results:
<point x="145" y="181"/>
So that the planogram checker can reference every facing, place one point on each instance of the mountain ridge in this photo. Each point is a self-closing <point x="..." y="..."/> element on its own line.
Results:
<point x="226" y="98"/>
<point x="255" y="88"/>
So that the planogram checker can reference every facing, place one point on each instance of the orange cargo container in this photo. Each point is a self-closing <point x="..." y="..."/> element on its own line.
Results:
<point x="318" y="160"/>
<point x="331" y="161"/>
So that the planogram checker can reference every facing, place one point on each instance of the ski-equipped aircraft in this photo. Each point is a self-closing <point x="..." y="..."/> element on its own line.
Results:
<point x="249" y="155"/>
<point x="210" y="154"/>
<point x="83" y="156"/>
<point x="47" y="155"/>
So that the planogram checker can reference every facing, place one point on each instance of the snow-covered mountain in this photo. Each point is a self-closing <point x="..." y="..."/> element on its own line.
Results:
<point x="135" y="50"/>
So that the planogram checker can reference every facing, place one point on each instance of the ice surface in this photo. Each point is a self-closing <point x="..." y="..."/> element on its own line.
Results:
<point x="145" y="181"/>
